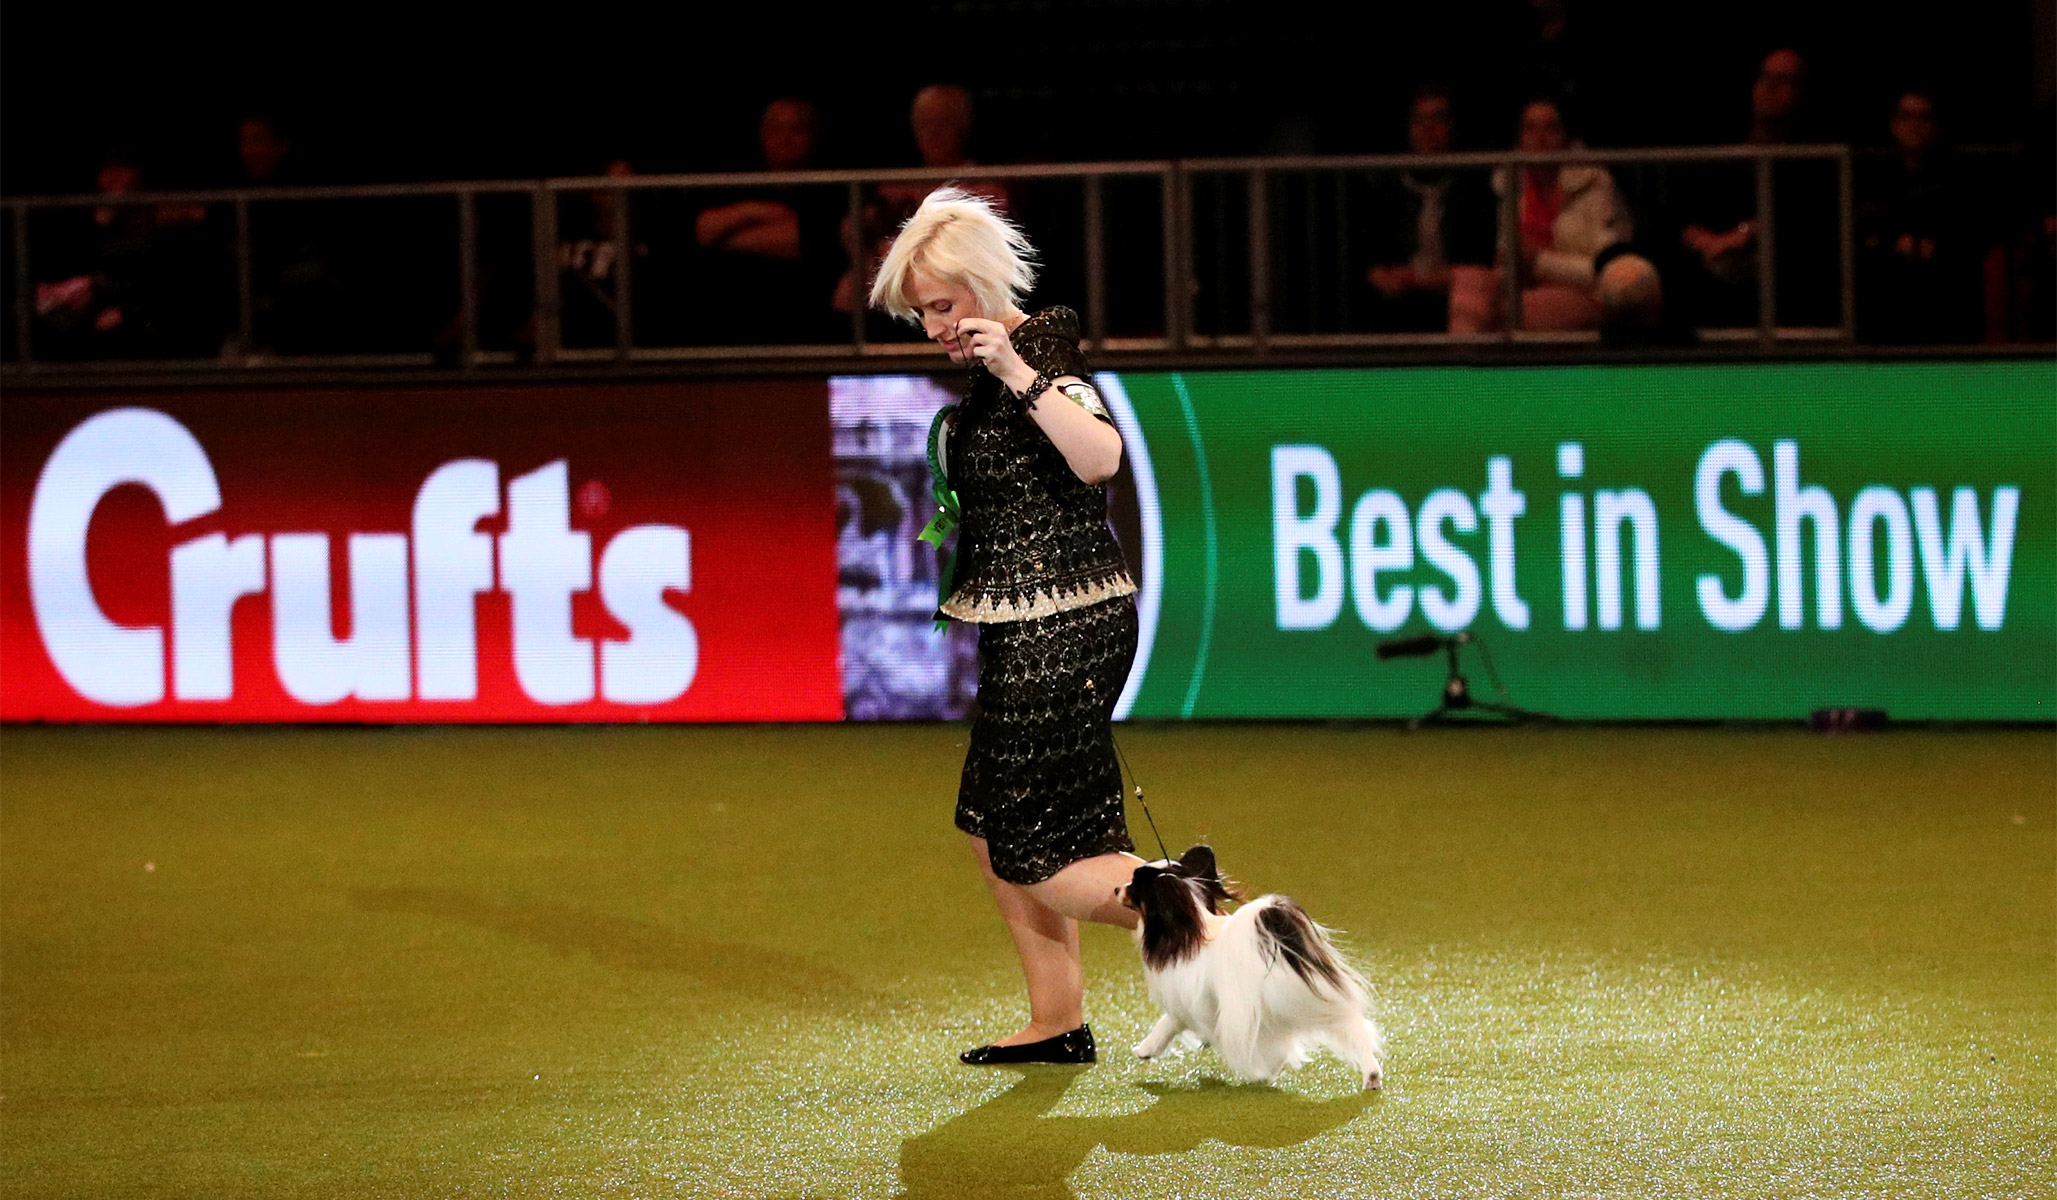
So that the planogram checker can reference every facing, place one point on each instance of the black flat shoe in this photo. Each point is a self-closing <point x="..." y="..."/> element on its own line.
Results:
<point x="1073" y="1047"/>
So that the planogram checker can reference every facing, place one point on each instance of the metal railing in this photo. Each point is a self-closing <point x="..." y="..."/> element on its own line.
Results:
<point x="1259" y="172"/>
<point x="1244" y="323"/>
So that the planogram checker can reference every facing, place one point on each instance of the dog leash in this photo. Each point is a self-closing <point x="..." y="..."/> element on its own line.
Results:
<point x="1123" y="760"/>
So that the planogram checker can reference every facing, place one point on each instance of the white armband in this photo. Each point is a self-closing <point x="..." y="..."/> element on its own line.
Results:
<point x="1083" y="395"/>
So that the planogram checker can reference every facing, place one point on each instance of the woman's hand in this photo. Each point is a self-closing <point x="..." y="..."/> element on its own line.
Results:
<point x="987" y="342"/>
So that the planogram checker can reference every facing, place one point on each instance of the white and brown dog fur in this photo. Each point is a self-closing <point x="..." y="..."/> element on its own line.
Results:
<point x="1264" y="986"/>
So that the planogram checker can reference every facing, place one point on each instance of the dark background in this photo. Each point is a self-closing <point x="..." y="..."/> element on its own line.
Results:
<point x="386" y="94"/>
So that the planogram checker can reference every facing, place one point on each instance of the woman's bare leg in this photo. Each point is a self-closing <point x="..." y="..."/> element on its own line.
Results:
<point x="1084" y="891"/>
<point x="1047" y="942"/>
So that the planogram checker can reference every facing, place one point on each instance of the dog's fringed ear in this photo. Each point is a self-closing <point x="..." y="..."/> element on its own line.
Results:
<point x="1198" y="863"/>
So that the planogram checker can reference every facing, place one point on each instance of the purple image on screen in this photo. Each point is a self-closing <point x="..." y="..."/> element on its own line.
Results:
<point x="896" y="665"/>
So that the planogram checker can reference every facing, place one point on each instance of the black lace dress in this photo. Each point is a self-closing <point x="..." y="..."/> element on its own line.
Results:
<point x="1040" y="573"/>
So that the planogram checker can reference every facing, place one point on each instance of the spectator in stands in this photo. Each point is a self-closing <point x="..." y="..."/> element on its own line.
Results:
<point x="1567" y="215"/>
<point x="776" y="246"/>
<point x="1778" y="98"/>
<point x="1721" y="224"/>
<point x="1725" y="247"/>
<point x="298" y="302"/>
<point x="942" y="119"/>
<point x="1920" y="245"/>
<point x="587" y="253"/>
<point x="264" y="151"/>
<point x="2021" y="281"/>
<point x="127" y="276"/>
<point x="1419" y="222"/>
<point x="95" y="310"/>
<point x="767" y="228"/>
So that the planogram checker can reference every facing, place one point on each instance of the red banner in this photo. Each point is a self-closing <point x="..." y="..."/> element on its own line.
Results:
<point x="582" y="553"/>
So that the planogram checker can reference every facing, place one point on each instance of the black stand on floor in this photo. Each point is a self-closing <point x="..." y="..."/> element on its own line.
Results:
<point x="1457" y="695"/>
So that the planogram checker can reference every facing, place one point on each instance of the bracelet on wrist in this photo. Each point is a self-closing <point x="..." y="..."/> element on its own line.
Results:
<point x="1036" y="387"/>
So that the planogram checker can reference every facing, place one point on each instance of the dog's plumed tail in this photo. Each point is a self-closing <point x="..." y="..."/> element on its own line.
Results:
<point x="1292" y="937"/>
<point x="1280" y="973"/>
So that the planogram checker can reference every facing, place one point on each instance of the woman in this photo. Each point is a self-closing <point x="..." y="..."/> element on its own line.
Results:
<point x="1039" y="572"/>
<point x="1568" y="215"/>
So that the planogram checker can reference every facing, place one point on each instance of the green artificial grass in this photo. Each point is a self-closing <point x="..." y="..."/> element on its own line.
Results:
<point x="739" y="961"/>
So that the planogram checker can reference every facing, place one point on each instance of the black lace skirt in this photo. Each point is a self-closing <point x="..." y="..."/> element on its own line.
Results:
<point x="1041" y="782"/>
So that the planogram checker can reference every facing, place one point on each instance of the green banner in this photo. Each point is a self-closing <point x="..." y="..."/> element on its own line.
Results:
<point x="1749" y="541"/>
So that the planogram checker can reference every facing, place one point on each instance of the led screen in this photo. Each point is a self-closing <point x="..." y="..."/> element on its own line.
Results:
<point x="1620" y="542"/>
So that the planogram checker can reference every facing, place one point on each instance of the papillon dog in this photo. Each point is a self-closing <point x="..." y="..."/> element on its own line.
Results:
<point x="1263" y="986"/>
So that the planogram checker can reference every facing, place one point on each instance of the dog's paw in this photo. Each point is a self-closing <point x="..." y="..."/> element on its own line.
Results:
<point x="1373" y="1079"/>
<point x="1146" y="1051"/>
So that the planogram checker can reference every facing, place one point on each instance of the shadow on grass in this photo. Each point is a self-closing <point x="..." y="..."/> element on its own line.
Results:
<point x="753" y="972"/>
<point x="1009" y="1147"/>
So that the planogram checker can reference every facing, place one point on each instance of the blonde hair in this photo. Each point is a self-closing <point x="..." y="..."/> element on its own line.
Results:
<point x="961" y="239"/>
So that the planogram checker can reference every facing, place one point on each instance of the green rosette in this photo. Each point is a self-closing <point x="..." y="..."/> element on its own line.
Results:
<point x="948" y="514"/>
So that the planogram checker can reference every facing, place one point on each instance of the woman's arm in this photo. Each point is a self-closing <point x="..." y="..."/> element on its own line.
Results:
<point x="1090" y="445"/>
<point x="764" y="227"/>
